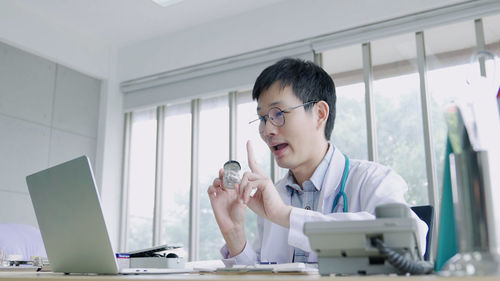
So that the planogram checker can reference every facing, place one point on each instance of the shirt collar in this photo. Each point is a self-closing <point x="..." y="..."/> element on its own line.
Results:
<point x="318" y="176"/>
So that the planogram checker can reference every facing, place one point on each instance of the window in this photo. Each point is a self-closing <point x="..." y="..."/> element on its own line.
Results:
<point x="448" y="49"/>
<point x="246" y="112"/>
<point x="141" y="180"/>
<point x="349" y="132"/>
<point x="492" y="38"/>
<point x="398" y="112"/>
<point x="176" y="176"/>
<point x="214" y="152"/>
<point x="398" y="125"/>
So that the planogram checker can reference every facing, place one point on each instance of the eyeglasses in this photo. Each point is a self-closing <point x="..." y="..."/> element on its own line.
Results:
<point x="277" y="116"/>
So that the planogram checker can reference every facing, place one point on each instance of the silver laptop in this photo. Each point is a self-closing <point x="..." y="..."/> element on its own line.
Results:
<point x="69" y="214"/>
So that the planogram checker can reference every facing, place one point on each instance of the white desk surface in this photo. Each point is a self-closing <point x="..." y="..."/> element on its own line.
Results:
<point x="25" y="276"/>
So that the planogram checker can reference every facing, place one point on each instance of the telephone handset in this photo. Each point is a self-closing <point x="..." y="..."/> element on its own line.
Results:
<point x="387" y="244"/>
<point x="392" y="210"/>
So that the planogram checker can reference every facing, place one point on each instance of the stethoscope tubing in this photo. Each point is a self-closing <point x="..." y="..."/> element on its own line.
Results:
<point x="341" y="192"/>
<point x="342" y="187"/>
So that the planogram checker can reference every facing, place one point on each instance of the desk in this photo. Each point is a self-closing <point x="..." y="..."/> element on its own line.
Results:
<point x="28" y="276"/>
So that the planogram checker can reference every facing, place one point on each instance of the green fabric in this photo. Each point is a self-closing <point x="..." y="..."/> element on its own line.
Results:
<point x="447" y="242"/>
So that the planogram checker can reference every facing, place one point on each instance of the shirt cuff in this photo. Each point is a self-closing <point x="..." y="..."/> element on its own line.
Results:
<point x="296" y="236"/>
<point x="246" y="257"/>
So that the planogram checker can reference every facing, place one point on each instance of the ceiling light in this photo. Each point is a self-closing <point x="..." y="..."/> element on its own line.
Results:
<point x="165" y="3"/>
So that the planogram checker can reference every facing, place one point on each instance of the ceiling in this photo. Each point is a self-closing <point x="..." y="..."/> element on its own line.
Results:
<point x="123" y="22"/>
<point x="85" y="35"/>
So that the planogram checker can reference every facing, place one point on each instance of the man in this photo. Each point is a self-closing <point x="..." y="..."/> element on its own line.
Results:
<point x="296" y="108"/>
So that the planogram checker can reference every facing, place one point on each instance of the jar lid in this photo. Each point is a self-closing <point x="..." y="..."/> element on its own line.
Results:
<point x="233" y="165"/>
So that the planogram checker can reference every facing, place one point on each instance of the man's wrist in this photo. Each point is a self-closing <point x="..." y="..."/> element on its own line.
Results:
<point x="284" y="218"/>
<point x="235" y="240"/>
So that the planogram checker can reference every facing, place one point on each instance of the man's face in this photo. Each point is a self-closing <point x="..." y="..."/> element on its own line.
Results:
<point x="291" y="143"/>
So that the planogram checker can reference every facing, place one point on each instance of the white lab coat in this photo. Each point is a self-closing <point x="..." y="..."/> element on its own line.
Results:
<point x="368" y="185"/>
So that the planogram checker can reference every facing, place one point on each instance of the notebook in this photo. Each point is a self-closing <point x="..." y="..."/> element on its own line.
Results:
<point x="69" y="214"/>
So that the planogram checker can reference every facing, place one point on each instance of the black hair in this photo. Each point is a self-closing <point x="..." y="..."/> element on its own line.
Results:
<point x="309" y="82"/>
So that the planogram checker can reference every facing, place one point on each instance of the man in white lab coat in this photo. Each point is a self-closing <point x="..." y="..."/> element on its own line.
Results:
<point x="296" y="108"/>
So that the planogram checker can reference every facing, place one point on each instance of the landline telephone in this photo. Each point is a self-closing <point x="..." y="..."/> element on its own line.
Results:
<point x="387" y="244"/>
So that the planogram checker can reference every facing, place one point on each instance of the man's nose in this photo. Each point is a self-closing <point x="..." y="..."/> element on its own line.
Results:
<point x="268" y="129"/>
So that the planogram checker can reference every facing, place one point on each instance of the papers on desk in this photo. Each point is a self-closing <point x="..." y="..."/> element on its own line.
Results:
<point x="217" y="267"/>
<point x="288" y="268"/>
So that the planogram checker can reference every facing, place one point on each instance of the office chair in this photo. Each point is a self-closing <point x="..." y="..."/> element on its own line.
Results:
<point x="426" y="213"/>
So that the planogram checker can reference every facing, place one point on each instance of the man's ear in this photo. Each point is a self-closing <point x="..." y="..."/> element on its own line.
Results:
<point x="322" y="111"/>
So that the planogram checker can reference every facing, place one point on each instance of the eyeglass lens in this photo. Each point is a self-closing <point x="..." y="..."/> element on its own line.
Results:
<point x="276" y="117"/>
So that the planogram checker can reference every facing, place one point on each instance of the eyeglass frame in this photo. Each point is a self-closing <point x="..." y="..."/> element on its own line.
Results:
<point x="281" y="111"/>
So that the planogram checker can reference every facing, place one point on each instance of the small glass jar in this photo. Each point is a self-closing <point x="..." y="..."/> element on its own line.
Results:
<point x="231" y="174"/>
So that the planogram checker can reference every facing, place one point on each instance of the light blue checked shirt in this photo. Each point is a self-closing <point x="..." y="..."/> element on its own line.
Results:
<point x="308" y="197"/>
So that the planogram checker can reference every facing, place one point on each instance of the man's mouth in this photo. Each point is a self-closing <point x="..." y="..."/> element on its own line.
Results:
<point x="279" y="146"/>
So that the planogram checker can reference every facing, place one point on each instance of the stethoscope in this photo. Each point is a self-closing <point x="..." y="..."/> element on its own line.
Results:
<point x="342" y="185"/>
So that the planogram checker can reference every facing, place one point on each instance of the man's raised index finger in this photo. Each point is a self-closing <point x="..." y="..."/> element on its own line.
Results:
<point x="251" y="159"/>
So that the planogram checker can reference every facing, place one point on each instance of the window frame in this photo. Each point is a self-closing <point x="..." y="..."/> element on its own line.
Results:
<point x="336" y="40"/>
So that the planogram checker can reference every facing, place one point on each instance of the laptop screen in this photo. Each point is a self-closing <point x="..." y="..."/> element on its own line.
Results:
<point x="69" y="214"/>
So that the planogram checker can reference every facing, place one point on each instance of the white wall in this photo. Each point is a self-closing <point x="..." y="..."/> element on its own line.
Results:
<point x="110" y="150"/>
<point x="48" y="115"/>
<point x="281" y="23"/>
<point x="58" y="42"/>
